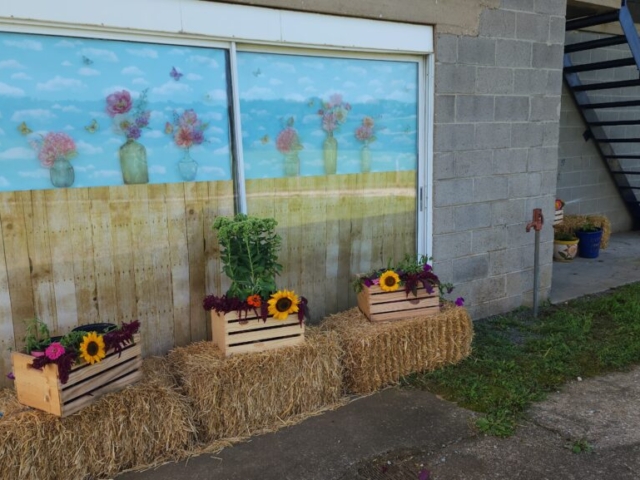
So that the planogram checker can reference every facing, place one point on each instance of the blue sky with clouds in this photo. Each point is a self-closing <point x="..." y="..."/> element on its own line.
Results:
<point x="58" y="84"/>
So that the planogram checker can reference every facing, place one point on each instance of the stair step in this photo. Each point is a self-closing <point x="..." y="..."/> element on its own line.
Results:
<point x="628" y="188"/>
<point x="588" y="67"/>
<point x="623" y="103"/>
<point x="614" y="123"/>
<point x="591" y="21"/>
<point x="623" y="157"/>
<point x="591" y="44"/>
<point x="607" y="85"/>
<point x="617" y="140"/>
<point x="625" y="172"/>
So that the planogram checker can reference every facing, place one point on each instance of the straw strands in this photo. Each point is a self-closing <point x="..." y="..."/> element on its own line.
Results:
<point x="243" y="394"/>
<point x="571" y="223"/>
<point x="378" y="354"/>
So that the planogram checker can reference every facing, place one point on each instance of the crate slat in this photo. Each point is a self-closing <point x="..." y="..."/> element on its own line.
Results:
<point x="378" y="305"/>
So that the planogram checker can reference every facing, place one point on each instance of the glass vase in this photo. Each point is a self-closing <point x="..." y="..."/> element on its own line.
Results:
<point x="61" y="173"/>
<point x="330" y="153"/>
<point x="188" y="167"/>
<point x="133" y="163"/>
<point x="291" y="164"/>
<point x="365" y="159"/>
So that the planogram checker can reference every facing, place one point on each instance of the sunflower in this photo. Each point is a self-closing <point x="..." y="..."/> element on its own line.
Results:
<point x="389" y="281"/>
<point x="282" y="303"/>
<point x="92" y="348"/>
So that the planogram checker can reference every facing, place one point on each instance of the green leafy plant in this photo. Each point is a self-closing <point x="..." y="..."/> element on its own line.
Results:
<point x="581" y="445"/>
<point x="565" y="236"/>
<point x="588" y="226"/>
<point x="249" y="252"/>
<point x="37" y="335"/>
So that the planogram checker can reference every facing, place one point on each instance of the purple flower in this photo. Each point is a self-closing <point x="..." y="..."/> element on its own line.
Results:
<point x="11" y="376"/>
<point x="143" y="119"/>
<point x="54" y="351"/>
<point x="368" y="282"/>
<point x="427" y="267"/>
<point x="459" y="302"/>
<point x="133" y="132"/>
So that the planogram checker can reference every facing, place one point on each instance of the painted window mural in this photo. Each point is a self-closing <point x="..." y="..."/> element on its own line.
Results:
<point x="84" y="113"/>
<point x="311" y="115"/>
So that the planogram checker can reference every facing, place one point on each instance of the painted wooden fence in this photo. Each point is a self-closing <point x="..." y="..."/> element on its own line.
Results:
<point x="147" y="252"/>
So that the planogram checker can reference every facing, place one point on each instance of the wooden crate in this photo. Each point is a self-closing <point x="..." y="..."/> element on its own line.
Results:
<point x="252" y="334"/>
<point x="41" y="389"/>
<point x="379" y="306"/>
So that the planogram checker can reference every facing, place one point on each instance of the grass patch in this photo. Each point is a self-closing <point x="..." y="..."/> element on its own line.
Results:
<point x="517" y="359"/>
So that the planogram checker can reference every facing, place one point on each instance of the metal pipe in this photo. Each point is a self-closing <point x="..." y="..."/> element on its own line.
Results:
<point x="536" y="223"/>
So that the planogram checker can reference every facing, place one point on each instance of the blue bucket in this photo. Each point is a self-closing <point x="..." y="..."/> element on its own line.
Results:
<point x="589" y="245"/>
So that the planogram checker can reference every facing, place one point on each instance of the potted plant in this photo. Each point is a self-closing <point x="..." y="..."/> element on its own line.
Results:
<point x="565" y="246"/>
<point x="249" y="252"/>
<point x="590" y="237"/>
<point x="380" y="296"/>
<point x="37" y="337"/>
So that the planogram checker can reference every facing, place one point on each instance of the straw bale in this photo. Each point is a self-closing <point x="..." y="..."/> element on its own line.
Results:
<point x="571" y="223"/>
<point x="145" y="423"/>
<point x="379" y="354"/>
<point x="241" y="395"/>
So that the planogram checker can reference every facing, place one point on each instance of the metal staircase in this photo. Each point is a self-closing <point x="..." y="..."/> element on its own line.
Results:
<point x="606" y="91"/>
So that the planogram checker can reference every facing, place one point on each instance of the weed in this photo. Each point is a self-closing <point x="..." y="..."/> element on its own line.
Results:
<point x="580" y="446"/>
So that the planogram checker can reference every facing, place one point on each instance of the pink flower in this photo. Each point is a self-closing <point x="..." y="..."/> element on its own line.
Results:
<point x="288" y="141"/>
<point x="335" y="100"/>
<point x="119" y="103"/>
<point x="188" y="118"/>
<point x="189" y="129"/>
<point x="183" y="137"/>
<point x="334" y="113"/>
<point x="54" y="351"/>
<point x="56" y="145"/>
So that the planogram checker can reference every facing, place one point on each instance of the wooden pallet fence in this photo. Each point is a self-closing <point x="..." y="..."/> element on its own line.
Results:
<point x="42" y="389"/>
<point x="379" y="306"/>
<point x="250" y="333"/>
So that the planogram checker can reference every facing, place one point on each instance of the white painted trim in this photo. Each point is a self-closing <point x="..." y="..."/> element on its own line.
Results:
<point x="429" y="119"/>
<point x="214" y="21"/>
<point x="237" y="156"/>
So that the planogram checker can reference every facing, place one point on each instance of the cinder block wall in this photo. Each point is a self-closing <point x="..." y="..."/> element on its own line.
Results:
<point x="583" y="181"/>
<point x="496" y="152"/>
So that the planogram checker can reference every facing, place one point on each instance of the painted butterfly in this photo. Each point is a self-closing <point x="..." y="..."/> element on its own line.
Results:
<point x="168" y="128"/>
<point x="175" y="74"/>
<point x="87" y="60"/>
<point x="92" y="127"/>
<point x="23" y="129"/>
<point x="264" y="140"/>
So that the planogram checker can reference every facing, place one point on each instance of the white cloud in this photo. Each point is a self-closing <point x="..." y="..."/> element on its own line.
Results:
<point x="154" y="134"/>
<point x="18" y="153"/>
<point x="21" y="76"/>
<point x="114" y="141"/>
<point x="275" y="81"/>
<point x="4" y="182"/>
<point x="132" y="70"/>
<point x="285" y="67"/>
<point x="33" y="114"/>
<point x="98" y="114"/>
<point x="13" y="64"/>
<point x="68" y="128"/>
<point x="294" y="97"/>
<point x="118" y="88"/>
<point x="217" y="95"/>
<point x="87" y="149"/>
<point x="60" y="83"/>
<point x="314" y="65"/>
<point x="365" y="99"/>
<point x="157" y="169"/>
<point x="1" y="132"/>
<point x="215" y="130"/>
<point x="24" y="44"/>
<point x="305" y="81"/>
<point x="202" y="60"/>
<point x="178" y="51"/>
<point x="311" y="89"/>
<point x="214" y="116"/>
<point x="99" y="53"/>
<point x="313" y="118"/>
<point x="218" y="172"/>
<point x="383" y="68"/>
<point x="66" y="108"/>
<point x="143" y="52"/>
<point x="67" y="63"/>
<point x="257" y="93"/>
<point x="88" y="72"/>
<point x="139" y="81"/>
<point x="193" y="76"/>
<point x="68" y="43"/>
<point x="171" y="88"/>
<point x="84" y="168"/>
<point x="349" y="85"/>
<point x="106" y="174"/>
<point x="222" y="150"/>
<point x="9" y="91"/>
<point x="40" y="173"/>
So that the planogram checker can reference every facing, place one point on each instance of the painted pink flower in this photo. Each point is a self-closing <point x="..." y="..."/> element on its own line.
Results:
<point x="188" y="118"/>
<point x="183" y="137"/>
<point x="119" y="103"/>
<point x="288" y="141"/>
<point x="334" y="113"/>
<point x="189" y="129"/>
<point x="54" y="351"/>
<point x="365" y="132"/>
<point x="55" y="145"/>
<point x="335" y="100"/>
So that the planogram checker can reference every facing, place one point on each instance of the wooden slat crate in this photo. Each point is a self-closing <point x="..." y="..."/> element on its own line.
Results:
<point x="252" y="334"/>
<point x="41" y="389"/>
<point x="379" y="306"/>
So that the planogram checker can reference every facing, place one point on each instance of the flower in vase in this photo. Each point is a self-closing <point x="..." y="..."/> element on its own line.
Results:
<point x="128" y="119"/>
<point x="187" y="129"/>
<point x="334" y="113"/>
<point x="365" y="132"/>
<point x="54" y="146"/>
<point x="288" y="140"/>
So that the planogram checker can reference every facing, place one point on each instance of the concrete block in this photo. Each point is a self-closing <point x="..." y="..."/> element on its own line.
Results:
<point x="513" y="53"/>
<point x="545" y="108"/>
<point x="556" y="30"/>
<point x="517" y="236"/>
<point x="474" y="108"/>
<point x="471" y="216"/>
<point x="443" y="221"/>
<point x="451" y="246"/>
<point x="550" y="134"/>
<point x="529" y="81"/>
<point x="510" y="160"/>
<point x="547" y="56"/>
<point x="453" y="136"/>
<point x="493" y="135"/>
<point x="525" y="185"/>
<point x="550" y="7"/>
<point x="457" y="191"/>
<point x="487" y="189"/>
<point x="519" y="5"/>
<point x="508" y="212"/>
<point x="455" y="78"/>
<point x="445" y="108"/>
<point x="494" y="80"/>
<point x="542" y="158"/>
<point x="526" y="134"/>
<point x="530" y="26"/>
<point x="505" y="261"/>
<point x="548" y="182"/>
<point x="512" y="108"/>
<point x="473" y="163"/>
<point x="495" y="307"/>
<point x="489" y="240"/>
<point x="488" y="289"/>
<point x="496" y="23"/>
<point x="520" y="281"/>
<point x="476" y="51"/>
<point x="446" y="48"/>
<point x="472" y="268"/>
<point x="443" y="165"/>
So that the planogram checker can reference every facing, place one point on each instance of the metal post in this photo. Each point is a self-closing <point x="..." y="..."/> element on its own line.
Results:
<point x="536" y="223"/>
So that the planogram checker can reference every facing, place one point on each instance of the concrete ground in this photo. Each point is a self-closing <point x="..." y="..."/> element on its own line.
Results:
<point x="408" y="434"/>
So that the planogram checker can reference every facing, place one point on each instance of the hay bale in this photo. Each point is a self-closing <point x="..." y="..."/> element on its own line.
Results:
<point x="378" y="354"/>
<point x="571" y="223"/>
<point x="244" y="394"/>
<point x="146" y="423"/>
